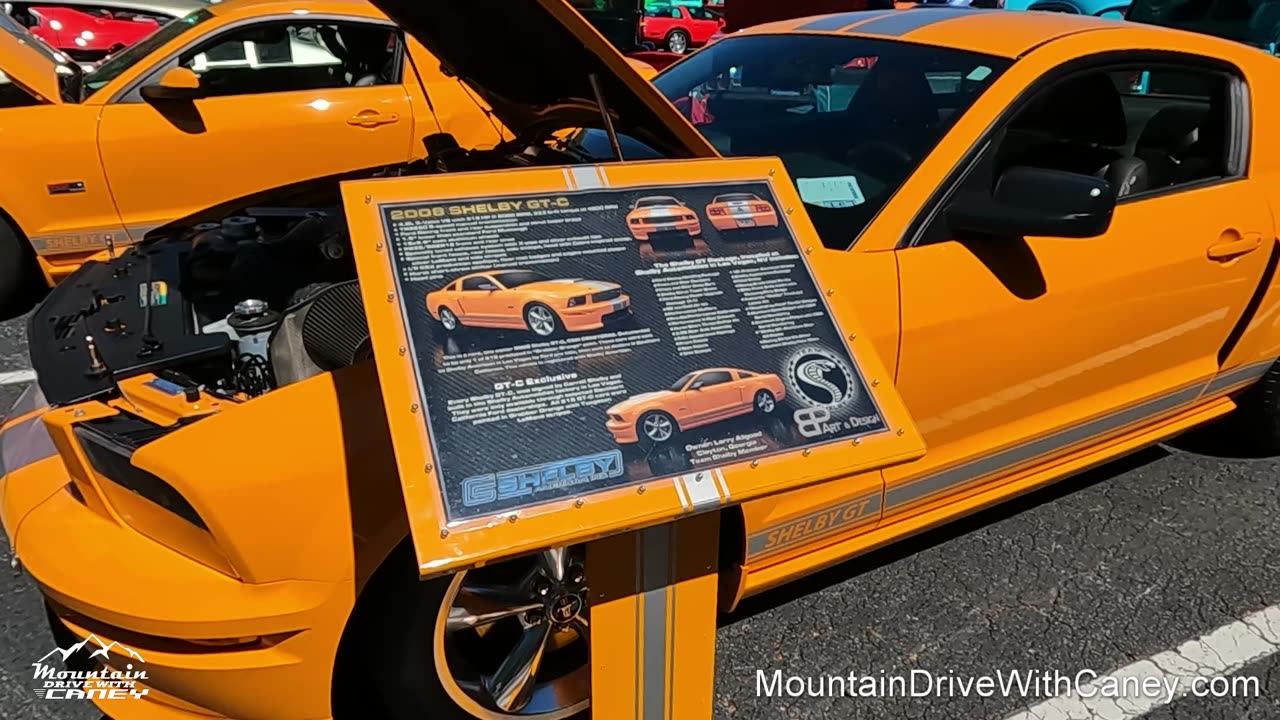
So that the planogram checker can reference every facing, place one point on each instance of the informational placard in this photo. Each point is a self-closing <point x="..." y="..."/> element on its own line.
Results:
<point x="572" y="342"/>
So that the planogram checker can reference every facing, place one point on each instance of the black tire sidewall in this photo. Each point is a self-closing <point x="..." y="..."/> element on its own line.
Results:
<point x="17" y="267"/>
<point x="394" y="653"/>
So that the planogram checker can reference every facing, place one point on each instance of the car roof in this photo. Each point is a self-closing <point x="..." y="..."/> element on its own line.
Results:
<point x="993" y="32"/>
<point x="302" y="8"/>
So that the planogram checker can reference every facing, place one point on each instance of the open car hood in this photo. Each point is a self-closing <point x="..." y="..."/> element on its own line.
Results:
<point x="27" y="61"/>
<point x="527" y="58"/>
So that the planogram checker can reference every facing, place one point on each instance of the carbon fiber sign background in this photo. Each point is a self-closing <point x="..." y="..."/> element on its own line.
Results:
<point x="574" y="342"/>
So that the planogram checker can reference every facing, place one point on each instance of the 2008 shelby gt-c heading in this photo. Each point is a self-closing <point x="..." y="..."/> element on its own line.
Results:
<point x="1045" y="268"/>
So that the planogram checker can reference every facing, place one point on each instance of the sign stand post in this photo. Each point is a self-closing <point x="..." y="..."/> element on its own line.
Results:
<point x="653" y="621"/>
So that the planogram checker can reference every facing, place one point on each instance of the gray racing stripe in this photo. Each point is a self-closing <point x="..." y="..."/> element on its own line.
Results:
<point x="1239" y="375"/>
<point x="991" y="464"/>
<point x="901" y="22"/>
<point x="655" y="572"/>
<point x="836" y="22"/>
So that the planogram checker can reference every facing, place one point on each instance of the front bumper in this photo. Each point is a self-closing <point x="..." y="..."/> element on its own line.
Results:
<point x="213" y="645"/>
<point x="623" y="431"/>
<point x="595" y="315"/>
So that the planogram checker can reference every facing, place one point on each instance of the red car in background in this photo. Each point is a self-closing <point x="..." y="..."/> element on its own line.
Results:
<point x="679" y="28"/>
<point x="89" y="30"/>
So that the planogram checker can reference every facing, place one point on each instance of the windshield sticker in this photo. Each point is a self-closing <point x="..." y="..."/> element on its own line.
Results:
<point x="833" y="192"/>
<point x="576" y="342"/>
<point x="978" y="74"/>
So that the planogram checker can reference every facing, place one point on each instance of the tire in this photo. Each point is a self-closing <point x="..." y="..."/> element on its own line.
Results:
<point x="764" y="403"/>
<point x="1256" y="419"/>
<point x="448" y="320"/>
<point x="678" y="42"/>
<point x="20" y="276"/>
<point x="542" y="320"/>
<point x="387" y="665"/>
<point x="656" y="428"/>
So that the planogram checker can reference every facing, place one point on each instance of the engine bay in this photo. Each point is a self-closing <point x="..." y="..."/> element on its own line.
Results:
<point x="238" y="302"/>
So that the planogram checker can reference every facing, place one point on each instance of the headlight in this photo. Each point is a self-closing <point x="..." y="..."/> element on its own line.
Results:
<point x="576" y="301"/>
<point x="111" y="461"/>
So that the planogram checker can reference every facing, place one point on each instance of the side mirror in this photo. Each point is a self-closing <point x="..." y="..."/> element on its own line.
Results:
<point x="490" y="287"/>
<point x="1040" y="203"/>
<point x="178" y="83"/>
<point x="696" y="386"/>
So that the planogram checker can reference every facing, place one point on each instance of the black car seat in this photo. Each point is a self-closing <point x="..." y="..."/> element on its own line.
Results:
<point x="1167" y="138"/>
<point x="897" y="99"/>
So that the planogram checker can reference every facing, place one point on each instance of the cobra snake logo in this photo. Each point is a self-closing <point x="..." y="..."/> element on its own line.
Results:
<point x="814" y="372"/>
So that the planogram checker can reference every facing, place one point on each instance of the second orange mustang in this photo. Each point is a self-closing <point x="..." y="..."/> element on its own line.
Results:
<point x="527" y="300"/>
<point x="700" y="398"/>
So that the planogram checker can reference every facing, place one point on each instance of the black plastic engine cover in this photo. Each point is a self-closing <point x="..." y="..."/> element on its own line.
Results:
<point x="110" y="302"/>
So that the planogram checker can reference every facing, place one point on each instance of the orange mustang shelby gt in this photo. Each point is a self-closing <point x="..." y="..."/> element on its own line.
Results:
<point x="740" y="211"/>
<point x="700" y="398"/>
<point x="527" y="300"/>
<point x="657" y="214"/>
<point x="1053" y="270"/>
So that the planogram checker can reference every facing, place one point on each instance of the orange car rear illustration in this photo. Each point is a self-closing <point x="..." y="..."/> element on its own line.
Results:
<point x="739" y="211"/>
<point x="700" y="398"/>
<point x="662" y="214"/>
<point x="528" y="300"/>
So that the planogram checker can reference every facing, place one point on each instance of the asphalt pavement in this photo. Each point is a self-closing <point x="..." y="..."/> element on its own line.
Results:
<point x="1173" y="550"/>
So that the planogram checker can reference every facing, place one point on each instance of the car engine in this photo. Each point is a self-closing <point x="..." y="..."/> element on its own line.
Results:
<point x="239" y="301"/>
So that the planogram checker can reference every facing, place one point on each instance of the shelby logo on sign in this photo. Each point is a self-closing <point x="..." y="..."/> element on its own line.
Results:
<point x="826" y="387"/>
<point x="529" y="481"/>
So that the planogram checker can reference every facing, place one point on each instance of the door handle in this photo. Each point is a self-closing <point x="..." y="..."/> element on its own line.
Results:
<point x="1232" y="245"/>
<point x="372" y="118"/>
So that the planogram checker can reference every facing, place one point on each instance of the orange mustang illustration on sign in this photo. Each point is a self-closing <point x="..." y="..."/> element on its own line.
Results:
<point x="700" y="398"/>
<point x="657" y="214"/>
<point x="528" y="300"/>
<point x="739" y="211"/>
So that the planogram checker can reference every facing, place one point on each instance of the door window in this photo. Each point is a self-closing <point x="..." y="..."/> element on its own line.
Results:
<point x="1146" y="130"/>
<point x="282" y="57"/>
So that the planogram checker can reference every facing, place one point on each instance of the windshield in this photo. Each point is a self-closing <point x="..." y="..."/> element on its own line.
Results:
<point x="1256" y="22"/>
<point x="114" y="66"/>
<point x="516" y="278"/>
<point x="851" y="118"/>
<point x="678" y="385"/>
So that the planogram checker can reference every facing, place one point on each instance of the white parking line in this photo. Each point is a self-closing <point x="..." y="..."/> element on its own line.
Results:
<point x="17" y="377"/>
<point x="1219" y="653"/>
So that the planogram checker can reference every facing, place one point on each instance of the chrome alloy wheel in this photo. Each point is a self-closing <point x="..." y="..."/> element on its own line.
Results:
<point x="541" y="321"/>
<point x="658" y="428"/>
<point x="511" y="640"/>
<point x="448" y="319"/>
<point x="765" y="402"/>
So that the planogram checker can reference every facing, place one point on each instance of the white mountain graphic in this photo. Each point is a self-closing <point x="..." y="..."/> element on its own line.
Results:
<point x="102" y="651"/>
